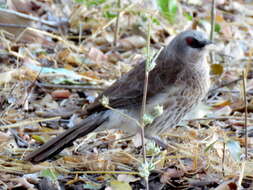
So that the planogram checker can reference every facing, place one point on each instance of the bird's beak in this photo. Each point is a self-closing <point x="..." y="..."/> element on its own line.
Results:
<point x="207" y="42"/>
<point x="209" y="45"/>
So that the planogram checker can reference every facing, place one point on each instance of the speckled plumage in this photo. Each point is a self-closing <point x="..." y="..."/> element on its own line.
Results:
<point x="178" y="82"/>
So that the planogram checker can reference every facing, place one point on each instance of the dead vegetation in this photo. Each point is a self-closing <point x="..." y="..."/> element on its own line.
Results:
<point x="56" y="58"/>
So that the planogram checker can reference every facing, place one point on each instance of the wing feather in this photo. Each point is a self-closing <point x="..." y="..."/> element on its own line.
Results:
<point x="128" y="90"/>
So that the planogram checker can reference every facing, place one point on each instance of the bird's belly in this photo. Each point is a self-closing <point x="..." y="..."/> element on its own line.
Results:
<point x="176" y="104"/>
<point x="121" y="119"/>
<point x="166" y="98"/>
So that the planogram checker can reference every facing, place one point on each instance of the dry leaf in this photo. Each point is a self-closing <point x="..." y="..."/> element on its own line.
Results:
<point x="62" y="94"/>
<point x="4" y="137"/>
<point x="118" y="185"/>
<point x="20" y="32"/>
<point x="228" y="185"/>
<point x="132" y="42"/>
<point x="96" y="55"/>
<point x="6" y="76"/>
<point x="171" y="173"/>
<point x="217" y="69"/>
<point x="23" y="6"/>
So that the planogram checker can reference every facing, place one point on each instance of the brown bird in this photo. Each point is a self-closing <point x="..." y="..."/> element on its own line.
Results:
<point x="178" y="82"/>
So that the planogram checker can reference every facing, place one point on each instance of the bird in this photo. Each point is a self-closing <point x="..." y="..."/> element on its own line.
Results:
<point x="178" y="82"/>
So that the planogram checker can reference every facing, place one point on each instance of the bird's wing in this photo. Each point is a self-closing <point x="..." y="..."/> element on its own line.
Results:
<point x="127" y="92"/>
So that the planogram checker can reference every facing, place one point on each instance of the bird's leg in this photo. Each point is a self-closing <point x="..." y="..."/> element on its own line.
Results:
<point x="156" y="139"/>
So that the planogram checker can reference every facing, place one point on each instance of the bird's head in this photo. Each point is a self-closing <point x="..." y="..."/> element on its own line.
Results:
<point x="189" y="46"/>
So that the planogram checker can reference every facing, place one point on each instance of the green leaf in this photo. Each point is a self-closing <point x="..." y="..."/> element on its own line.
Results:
<point x="79" y="1"/>
<point x="155" y="21"/>
<point x="172" y="7"/>
<point x="110" y="14"/>
<point x="234" y="149"/>
<point x="39" y="138"/>
<point x="217" y="27"/>
<point x="188" y="16"/>
<point x="49" y="173"/>
<point x="168" y="8"/>
<point x="152" y="149"/>
<point x="145" y="168"/>
<point x="107" y="13"/>
<point x="210" y="146"/>
<point x="90" y="2"/>
<point x="158" y="110"/>
<point x="148" y="119"/>
<point x="150" y="65"/>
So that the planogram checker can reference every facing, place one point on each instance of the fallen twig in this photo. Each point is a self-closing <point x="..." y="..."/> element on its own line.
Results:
<point x="47" y="85"/>
<point x="30" y="17"/>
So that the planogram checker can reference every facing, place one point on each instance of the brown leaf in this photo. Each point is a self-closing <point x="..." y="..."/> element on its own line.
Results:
<point x="228" y="185"/>
<point x="61" y="94"/>
<point x="90" y="74"/>
<point x="217" y="69"/>
<point x="93" y="162"/>
<point x="171" y="173"/>
<point x="19" y="32"/>
<point x="222" y="104"/>
<point x="23" y="6"/>
<point x="96" y="55"/>
<point x="4" y="137"/>
<point x="132" y="42"/>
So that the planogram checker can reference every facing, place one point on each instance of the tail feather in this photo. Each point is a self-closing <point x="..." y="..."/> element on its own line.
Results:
<point x="57" y="144"/>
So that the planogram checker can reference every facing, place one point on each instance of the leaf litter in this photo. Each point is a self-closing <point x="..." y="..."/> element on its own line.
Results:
<point x="72" y="45"/>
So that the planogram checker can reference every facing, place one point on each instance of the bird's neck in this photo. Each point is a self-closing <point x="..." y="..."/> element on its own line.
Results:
<point x="200" y="72"/>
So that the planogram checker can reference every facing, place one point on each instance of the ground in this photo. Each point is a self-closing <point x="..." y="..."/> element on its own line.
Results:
<point x="56" y="57"/>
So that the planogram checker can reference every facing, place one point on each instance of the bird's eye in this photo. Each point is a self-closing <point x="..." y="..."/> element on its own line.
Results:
<point x="194" y="43"/>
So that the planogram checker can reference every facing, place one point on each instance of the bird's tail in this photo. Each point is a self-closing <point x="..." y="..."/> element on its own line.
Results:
<point x="57" y="144"/>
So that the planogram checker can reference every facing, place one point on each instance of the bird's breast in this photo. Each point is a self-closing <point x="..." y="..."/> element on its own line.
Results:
<point x="179" y="98"/>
